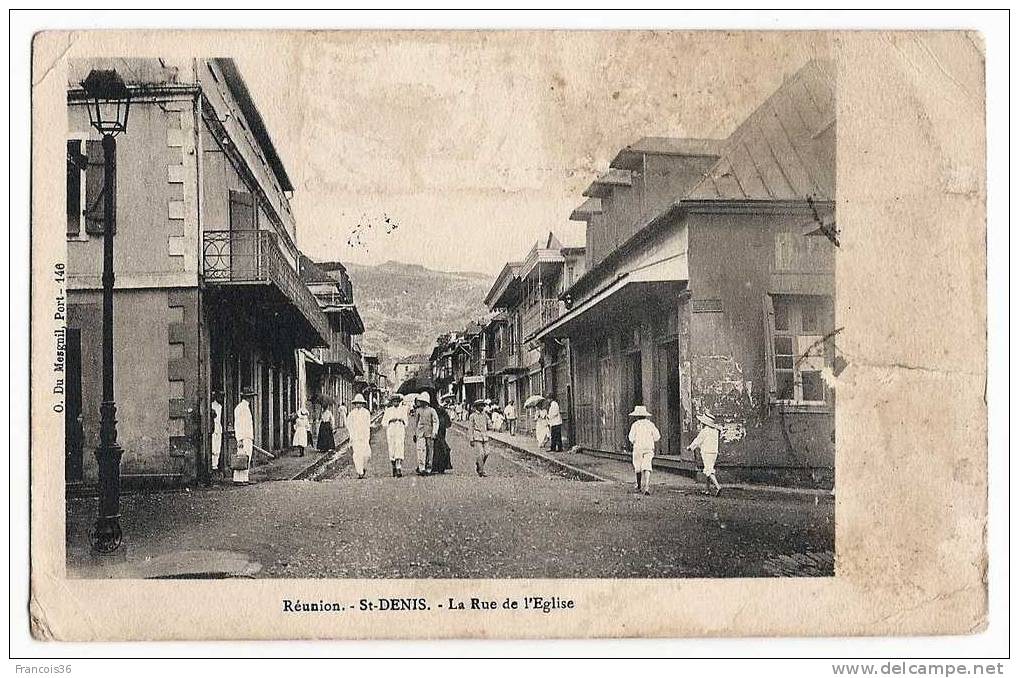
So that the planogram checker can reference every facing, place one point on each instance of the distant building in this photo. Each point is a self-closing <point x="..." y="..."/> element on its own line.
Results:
<point x="447" y="363"/>
<point x="710" y="287"/>
<point x="472" y="378"/>
<point x="373" y="383"/>
<point x="408" y="367"/>
<point x="328" y="375"/>
<point x="526" y="295"/>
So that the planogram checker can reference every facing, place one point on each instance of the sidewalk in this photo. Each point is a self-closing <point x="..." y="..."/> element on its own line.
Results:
<point x="616" y="470"/>
<point x="290" y="467"/>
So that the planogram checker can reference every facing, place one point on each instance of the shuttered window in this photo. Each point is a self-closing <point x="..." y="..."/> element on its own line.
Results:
<point x="95" y="189"/>
<point x="76" y="164"/>
<point x="798" y="359"/>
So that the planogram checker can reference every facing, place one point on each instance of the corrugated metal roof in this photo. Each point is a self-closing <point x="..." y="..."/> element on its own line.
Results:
<point x="785" y="150"/>
<point x="240" y="92"/>
<point x="502" y="282"/>
<point x="586" y="210"/>
<point x="630" y="157"/>
<point x="604" y="183"/>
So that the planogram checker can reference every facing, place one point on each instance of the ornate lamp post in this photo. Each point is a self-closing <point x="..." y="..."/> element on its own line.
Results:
<point x="108" y="104"/>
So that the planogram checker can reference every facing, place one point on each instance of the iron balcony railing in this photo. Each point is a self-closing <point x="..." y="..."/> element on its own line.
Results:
<point x="253" y="257"/>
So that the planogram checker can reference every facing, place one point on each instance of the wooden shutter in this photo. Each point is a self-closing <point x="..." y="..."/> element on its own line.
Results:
<point x="769" y="347"/>
<point x="75" y="164"/>
<point x="95" y="177"/>
<point x="242" y="211"/>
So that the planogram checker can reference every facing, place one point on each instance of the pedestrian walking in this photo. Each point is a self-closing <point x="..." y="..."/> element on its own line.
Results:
<point x="302" y="429"/>
<point x="498" y="420"/>
<point x="510" y="412"/>
<point x="244" y="431"/>
<point x="359" y="430"/>
<point x="326" y="440"/>
<point x="555" y="424"/>
<point x="643" y="436"/>
<point x="478" y="424"/>
<point x="394" y="421"/>
<point x="707" y="442"/>
<point x="341" y="414"/>
<point x="425" y="431"/>
<point x="441" y="461"/>
<point x="541" y="427"/>
<point x="217" y="429"/>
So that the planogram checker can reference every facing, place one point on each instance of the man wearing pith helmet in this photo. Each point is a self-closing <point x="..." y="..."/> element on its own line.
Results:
<point x="643" y="436"/>
<point x="424" y="433"/>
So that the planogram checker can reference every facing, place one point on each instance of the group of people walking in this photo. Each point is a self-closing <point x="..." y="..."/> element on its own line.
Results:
<point x="325" y="440"/>
<point x="548" y="418"/>
<point x="423" y="419"/>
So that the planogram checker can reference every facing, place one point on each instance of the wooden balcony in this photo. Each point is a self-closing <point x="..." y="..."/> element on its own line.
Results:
<point x="338" y="354"/>
<point x="252" y="258"/>
<point x="544" y="312"/>
<point x="504" y="361"/>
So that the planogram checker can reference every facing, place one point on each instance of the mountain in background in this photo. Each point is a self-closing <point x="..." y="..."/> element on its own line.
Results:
<point x="406" y="306"/>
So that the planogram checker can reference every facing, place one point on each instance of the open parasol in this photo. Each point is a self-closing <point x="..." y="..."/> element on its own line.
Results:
<point x="533" y="401"/>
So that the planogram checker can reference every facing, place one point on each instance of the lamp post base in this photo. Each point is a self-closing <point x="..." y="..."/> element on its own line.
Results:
<point x="106" y="536"/>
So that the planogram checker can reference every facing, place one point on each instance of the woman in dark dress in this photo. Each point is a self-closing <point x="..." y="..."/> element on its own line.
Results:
<point x="325" y="441"/>
<point x="441" y="461"/>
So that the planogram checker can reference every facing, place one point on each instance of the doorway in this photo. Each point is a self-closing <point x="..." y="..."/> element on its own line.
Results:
<point x="265" y="399"/>
<point x="74" y="432"/>
<point x="608" y="405"/>
<point x="669" y="395"/>
<point x="634" y="383"/>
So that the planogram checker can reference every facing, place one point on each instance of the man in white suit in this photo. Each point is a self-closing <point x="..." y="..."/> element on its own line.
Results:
<point x="244" y="431"/>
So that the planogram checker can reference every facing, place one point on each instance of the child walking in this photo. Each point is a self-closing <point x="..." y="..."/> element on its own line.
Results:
<point x="479" y="436"/>
<point x="707" y="442"/>
<point x="643" y="436"/>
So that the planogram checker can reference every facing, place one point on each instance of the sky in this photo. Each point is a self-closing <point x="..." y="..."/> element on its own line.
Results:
<point x="459" y="150"/>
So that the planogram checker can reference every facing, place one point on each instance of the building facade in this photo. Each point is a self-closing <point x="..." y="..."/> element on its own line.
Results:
<point x="328" y="375"/>
<point x="711" y="289"/>
<point x="526" y="297"/>
<point x="208" y="298"/>
<point x="472" y="382"/>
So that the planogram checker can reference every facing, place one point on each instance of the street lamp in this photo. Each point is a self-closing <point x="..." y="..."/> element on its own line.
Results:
<point x="108" y="105"/>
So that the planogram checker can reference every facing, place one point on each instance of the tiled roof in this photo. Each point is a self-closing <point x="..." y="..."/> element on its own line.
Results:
<point x="785" y="150"/>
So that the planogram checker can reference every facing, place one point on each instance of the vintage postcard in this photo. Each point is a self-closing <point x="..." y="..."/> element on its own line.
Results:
<point x="504" y="334"/>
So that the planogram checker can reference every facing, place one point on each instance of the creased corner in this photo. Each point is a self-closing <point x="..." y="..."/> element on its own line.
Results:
<point x="38" y="622"/>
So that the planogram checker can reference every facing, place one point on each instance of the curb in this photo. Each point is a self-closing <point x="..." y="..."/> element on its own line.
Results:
<point x="314" y="466"/>
<point x="799" y="492"/>
<point x="583" y="473"/>
<point x="310" y="471"/>
<point x="774" y="490"/>
<point x="698" y="478"/>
